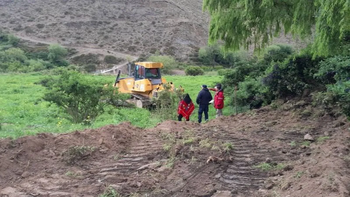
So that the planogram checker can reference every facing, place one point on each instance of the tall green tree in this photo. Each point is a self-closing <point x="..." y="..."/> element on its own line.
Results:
<point x="242" y="23"/>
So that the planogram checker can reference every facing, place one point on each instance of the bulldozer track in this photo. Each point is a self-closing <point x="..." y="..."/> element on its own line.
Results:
<point x="141" y="153"/>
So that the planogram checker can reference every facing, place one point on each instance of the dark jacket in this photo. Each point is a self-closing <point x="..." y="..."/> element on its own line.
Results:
<point x="204" y="97"/>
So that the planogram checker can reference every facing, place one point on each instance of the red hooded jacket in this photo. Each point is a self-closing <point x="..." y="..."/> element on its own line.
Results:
<point x="218" y="98"/>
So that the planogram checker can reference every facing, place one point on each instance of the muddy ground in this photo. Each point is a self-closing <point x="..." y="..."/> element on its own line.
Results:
<point x="264" y="152"/>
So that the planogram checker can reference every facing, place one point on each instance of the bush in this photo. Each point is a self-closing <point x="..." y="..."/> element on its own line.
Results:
<point x="57" y="54"/>
<point x="341" y="92"/>
<point x="215" y="55"/>
<point x="86" y="59"/>
<point x="277" y="53"/>
<point x="233" y="76"/>
<point x="194" y="70"/>
<point x="109" y="59"/>
<point x="79" y="97"/>
<point x="334" y="70"/>
<point x="292" y="77"/>
<point x="252" y="93"/>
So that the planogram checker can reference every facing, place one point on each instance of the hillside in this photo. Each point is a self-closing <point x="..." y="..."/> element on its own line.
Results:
<point x="141" y="27"/>
<point x="135" y="27"/>
<point x="261" y="153"/>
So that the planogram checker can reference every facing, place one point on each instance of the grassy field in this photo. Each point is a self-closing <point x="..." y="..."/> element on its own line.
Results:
<point x="24" y="112"/>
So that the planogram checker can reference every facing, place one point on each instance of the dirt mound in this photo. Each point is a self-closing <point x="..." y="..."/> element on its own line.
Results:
<point x="294" y="150"/>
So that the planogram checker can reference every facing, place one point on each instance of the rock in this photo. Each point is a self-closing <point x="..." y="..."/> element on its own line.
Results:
<point x="268" y="160"/>
<point x="25" y="174"/>
<point x="308" y="137"/>
<point x="150" y="166"/>
<point x="217" y="176"/>
<point x="269" y="184"/>
<point x="222" y="194"/>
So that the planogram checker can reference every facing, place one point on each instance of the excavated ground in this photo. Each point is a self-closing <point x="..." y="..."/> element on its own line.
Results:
<point x="259" y="153"/>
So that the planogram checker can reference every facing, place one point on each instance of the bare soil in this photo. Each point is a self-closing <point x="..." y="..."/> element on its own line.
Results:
<point x="218" y="158"/>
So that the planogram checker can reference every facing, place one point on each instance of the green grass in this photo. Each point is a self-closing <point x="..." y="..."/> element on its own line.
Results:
<point x="24" y="112"/>
<point x="192" y="86"/>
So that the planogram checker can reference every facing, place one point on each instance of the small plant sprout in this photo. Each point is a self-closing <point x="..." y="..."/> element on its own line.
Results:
<point x="205" y="143"/>
<point x="264" y="166"/>
<point x="166" y="147"/>
<point x="293" y="144"/>
<point x="322" y="139"/>
<point x="170" y="162"/>
<point x="299" y="174"/>
<point x="110" y="192"/>
<point x="306" y="143"/>
<point x="188" y="141"/>
<point x="228" y="146"/>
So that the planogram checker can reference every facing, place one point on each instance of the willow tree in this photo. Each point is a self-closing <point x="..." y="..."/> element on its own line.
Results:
<point x="244" y="23"/>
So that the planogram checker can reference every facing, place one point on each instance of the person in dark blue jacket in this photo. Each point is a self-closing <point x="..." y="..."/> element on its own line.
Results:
<point x="203" y="99"/>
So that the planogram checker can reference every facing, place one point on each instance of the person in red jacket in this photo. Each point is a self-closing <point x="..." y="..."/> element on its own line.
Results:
<point x="185" y="108"/>
<point x="218" y="99"/>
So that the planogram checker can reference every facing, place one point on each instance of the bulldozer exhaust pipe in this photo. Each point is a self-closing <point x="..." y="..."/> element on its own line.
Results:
<point x="117" y="78"/>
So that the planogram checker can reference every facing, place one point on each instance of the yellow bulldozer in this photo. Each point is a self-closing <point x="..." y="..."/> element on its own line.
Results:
<point x="143" y="83"/>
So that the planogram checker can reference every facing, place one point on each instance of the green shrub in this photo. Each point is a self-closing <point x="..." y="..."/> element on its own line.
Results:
<point x="85" y="59"/>
<point x="233" y="76"/>
<point x="291" y="77"/>
<point x="334" y="69"/>
<point x="341" y="92"/>
<point x="89" y="68"/>
<point x="194" y="70"/>
<point x="222" y="72"/>
<point x="277" y="53"/>
<point x="56" y="54"/>
<point x="216" y="55"/>
<point x="80" y="97"/>
<point x="110" y="59"/>
<point x="252" y="93"/>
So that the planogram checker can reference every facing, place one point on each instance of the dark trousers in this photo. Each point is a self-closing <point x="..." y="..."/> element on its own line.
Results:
<point x="180" y="118"/>
<point x="205" y="109"/>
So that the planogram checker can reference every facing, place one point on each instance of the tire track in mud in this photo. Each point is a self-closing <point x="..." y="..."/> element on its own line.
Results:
<point x="240" y="174"/>
<point x="141" y="153"/>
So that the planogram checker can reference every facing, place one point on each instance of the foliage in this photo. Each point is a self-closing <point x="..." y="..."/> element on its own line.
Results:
<point x="341" y="94"/>
<point x="110" y="59"/>
<point x="166" y="103"/>
<point x="110" y="192"/>
<point x="86" y="59"/>
<point x="215" y="55"/>
<point x="252" y="93"/>
<point x="169" y="62"/>
<point x="238" y="74"/>
<point x="194" y="70"/>
<point x="334" y="69"/>
<point x="56" y="55"/>
<point x="243" y="23"/>
<point x="291" y="77"/>
<point x="79" y="97"/>
<point x="277" y="53"/>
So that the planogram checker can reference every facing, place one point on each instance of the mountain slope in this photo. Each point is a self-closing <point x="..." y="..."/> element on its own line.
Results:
<point x="135" y="27"/>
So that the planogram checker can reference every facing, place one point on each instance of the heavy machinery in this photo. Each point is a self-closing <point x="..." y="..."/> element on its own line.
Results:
<point x="143" y="83"/>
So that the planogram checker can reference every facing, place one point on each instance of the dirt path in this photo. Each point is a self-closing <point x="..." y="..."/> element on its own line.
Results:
<point x="258" y="154"/>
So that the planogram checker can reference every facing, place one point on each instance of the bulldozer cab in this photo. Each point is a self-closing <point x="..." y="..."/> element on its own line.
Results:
<point x="146" y="73"/>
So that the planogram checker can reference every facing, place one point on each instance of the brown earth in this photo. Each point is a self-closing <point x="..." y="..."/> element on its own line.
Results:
<point x="124" y="28"/>
<point x="171" y="27"/>
<point x="218" y="158"/>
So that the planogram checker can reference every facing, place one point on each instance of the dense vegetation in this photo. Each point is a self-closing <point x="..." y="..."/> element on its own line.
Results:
<point x="244" y="23"/>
